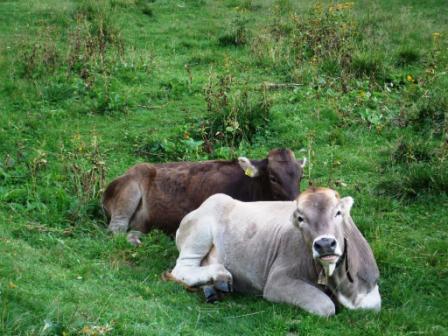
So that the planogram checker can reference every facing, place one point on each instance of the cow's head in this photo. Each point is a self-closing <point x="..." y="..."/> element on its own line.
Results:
<point x="335" y="242"/>
<point x="280" y="169"/>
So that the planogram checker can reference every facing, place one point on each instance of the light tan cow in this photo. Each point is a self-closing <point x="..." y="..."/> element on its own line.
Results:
<point x="292" y="252"/>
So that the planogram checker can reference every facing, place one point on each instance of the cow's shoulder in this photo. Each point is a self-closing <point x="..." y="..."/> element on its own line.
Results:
<point x="218" y="201"/>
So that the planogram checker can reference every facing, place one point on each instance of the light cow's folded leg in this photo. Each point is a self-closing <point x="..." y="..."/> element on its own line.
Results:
<point x="282" y="288"/>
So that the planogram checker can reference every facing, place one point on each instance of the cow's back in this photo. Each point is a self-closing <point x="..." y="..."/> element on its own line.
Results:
<point x="179" y="188"/>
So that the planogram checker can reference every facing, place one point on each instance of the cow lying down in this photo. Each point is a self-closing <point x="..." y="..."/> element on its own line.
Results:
<point x="293" y="252"/>
<point x="158" y="196"/>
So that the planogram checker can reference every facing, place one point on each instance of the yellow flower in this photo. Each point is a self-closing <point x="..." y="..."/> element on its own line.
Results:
<point x="409" y="78"/>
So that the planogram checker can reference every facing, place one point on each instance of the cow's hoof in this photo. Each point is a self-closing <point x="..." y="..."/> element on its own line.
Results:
<point x="134" y="238"/>
<point x="210" y="294"/>
<point x="223" y="286"/>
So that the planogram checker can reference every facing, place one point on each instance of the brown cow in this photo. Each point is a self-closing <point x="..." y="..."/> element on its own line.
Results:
<point x="158" y="196"/>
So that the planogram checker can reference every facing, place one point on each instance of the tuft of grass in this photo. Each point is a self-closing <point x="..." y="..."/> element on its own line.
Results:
<point x="412" y="150"/>
<point x="433" y="113"/>
<point x="237" y="35"/>
<point x="145" y="7"/>
<point x="367" y="65"/>
<point x="416" y="167"/>
<point x="84" y="165"/>
<point x="408" y="55"/>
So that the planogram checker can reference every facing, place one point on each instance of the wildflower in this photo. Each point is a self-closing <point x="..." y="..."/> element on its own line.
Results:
<point x="409" y="78"/>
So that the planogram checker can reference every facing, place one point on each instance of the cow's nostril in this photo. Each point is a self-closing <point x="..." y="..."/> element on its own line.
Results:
<point x="325" y="246"/>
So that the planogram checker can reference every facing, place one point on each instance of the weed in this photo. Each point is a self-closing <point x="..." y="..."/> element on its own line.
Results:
<point x="324" y="37"/>
<point x="237" y="36"/>
<point x="283" y="7"/>
<point x="234" y="113"/>
<point x="170" y="150"/>
<point x="86" y="170"/>
<point x="89" y="44"/>
<point x="40" y="57"/>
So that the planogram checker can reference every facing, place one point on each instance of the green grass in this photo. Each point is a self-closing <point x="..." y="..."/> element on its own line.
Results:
<point x="89" y="88"/>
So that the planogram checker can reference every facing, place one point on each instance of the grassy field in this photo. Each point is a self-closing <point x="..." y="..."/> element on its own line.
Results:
<point x="89" y="88"/>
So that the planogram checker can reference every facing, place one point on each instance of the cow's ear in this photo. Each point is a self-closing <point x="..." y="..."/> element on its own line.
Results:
<point x="360" y="260"/>
<point x="301" y="163"/>
<point x="248" y="167"/>
<point x="346" y="204"/>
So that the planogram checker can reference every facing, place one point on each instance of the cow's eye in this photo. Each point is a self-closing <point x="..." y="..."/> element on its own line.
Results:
<point x="273" y="179"/>
<point x="338" y="213"/>
<point x="300" y="219"/>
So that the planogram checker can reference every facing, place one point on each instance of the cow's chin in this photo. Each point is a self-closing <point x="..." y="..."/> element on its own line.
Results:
<point x="328" y="263"/>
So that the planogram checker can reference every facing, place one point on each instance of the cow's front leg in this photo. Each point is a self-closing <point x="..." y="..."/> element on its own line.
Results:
<point x="216" y="275"/>
<point x="282" y="288"/>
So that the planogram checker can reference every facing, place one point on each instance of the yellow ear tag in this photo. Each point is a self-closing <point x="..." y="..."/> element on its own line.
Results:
<point x="249" y="172"/>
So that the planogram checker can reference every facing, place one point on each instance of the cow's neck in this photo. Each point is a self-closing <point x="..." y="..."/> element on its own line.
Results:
<point x="254" y="189"/>
<point x="342" y="284"/>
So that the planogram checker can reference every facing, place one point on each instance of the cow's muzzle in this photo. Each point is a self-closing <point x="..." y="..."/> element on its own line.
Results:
<point x="326" y="249"/>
